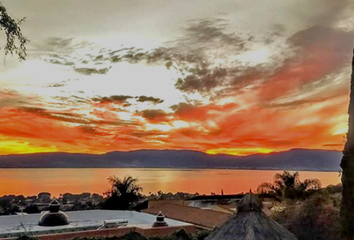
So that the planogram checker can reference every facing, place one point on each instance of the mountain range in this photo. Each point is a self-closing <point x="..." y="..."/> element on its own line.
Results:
<point x="294" y="159"/>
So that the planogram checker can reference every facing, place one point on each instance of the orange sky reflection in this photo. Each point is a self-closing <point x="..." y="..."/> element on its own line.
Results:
<point x="59" y="181"/>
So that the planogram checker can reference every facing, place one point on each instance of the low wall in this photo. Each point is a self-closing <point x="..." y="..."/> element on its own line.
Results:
<point x="116" y="232"/>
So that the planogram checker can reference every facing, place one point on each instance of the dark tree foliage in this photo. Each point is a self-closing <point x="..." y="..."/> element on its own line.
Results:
<point x="15" y="41"/>
<point x="7" y="208"/>
<point x="347" y="165"/>
<point x="31" y="209"/>
<point x="132" y="236"/>
<point x="202" y="235"/>
<point x="122" y="193"/>
<point x="314" y="219"/>
<point x="24" y="237"/>
<point x="289" y="186"/>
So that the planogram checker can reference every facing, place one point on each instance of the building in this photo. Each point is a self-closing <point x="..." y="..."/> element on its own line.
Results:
<point x="226" y="203"/>
<point x="90" y="223"/>
<point x="250" y="223"/>
<point x="201" y="218"/>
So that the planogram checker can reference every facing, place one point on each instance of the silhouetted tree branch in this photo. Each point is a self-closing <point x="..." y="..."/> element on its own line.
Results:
<point x="15" y="41"/>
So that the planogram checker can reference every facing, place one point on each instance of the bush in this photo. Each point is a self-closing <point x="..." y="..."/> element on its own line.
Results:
<point x="24" y="237"/>
<point x="132" y="236"/>
<point x="314" y="219"/>
<point x="31" y="209"/>
<point x="202" y="235"/>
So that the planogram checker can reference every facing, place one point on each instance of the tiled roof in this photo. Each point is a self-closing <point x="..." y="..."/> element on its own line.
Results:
<point x="200" y="217"/>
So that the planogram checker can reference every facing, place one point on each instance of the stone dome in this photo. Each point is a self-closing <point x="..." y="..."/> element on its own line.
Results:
<point x="53" y="217"/>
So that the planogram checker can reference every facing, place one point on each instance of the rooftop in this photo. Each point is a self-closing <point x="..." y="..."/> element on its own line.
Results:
<point x="79" y="220"/>
<point x="226" y="196"/>
<point x="250" y="223"/>
<point x="200" y="217"/>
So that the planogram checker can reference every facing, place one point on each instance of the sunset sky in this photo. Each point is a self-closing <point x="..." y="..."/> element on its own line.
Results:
<point x="227" y="76"/>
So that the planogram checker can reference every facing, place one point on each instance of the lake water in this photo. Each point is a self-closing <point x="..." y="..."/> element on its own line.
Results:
<point x="94" y="180"/>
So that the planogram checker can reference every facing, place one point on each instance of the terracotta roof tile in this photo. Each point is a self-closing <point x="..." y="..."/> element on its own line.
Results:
<point x="201" y="217"/>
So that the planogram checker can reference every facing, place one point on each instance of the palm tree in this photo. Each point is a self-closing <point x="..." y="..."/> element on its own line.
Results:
<point x="122" y="193"/>
<point x="288" y="185"/>
<point x="347" y="165"/>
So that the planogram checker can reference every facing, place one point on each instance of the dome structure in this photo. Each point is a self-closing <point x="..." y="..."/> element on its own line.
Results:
<point x="160" y="221"/>
<point x="53" y="217"/>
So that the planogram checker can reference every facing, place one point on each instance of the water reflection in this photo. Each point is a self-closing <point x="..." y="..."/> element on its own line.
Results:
<point x="57" y="181"/>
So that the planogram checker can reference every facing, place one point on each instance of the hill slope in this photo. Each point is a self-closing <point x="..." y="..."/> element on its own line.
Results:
<point x="295" y="159"/>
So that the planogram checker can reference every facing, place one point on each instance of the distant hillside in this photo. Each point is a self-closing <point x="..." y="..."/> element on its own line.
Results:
<point x="295" y="159"/>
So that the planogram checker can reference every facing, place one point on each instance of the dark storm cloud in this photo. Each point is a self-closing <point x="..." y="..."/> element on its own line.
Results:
<point x="90" y="71"/>
<point x="181" y="106"/>
<point x="149" y="99"/>
<point x="120" y="99"/>
<point x="202" y="80"/>
<point x="112" y="99"/>
<point x="154" y="115"/>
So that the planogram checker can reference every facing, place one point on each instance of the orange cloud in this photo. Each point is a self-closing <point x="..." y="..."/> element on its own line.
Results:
<point x="255" y="112"/>
<point x="321" y="51"/>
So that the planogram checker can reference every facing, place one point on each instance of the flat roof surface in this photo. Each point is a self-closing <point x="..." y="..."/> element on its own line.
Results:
<point x="79" y="220"/>
<point x="200" y="217"/>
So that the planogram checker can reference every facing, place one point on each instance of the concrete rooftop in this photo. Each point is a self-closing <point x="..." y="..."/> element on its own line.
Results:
<point x="79" y="220"/>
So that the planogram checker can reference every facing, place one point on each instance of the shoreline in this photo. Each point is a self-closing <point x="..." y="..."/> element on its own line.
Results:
<point x="176" y="169"/>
